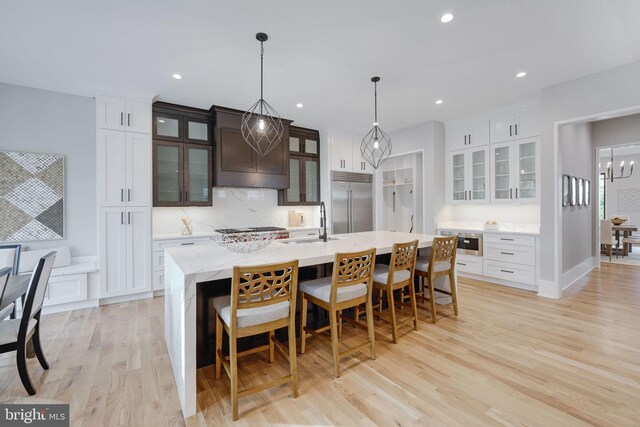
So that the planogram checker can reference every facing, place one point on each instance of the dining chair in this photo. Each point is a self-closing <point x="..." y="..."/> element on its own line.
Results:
<point x="10" y="257"/>
<point x="16" y="333"/>
<point x="606" y="237"/>
<point x="349" y="286"/>
<point x="398" y="275"/>
<point x="263" y="299"/>
<point x="441" y="262"/>
<point x="4" y="278"/>
<point x="630" y="241"/>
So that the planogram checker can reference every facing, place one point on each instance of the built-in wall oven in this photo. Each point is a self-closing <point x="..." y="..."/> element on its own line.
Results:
<point x="468" y="243"/>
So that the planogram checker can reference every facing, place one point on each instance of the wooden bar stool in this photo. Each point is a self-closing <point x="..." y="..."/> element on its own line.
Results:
<point x="263" y="299"/>
<point x="397" y="276"/>
<point x="441" y="263"/>
<point x="349" y="286"/>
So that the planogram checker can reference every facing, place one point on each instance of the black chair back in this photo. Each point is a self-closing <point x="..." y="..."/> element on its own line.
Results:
<point x="4" y="278"/>
<point x="15" y="257"/>
<point x="37" y="289"/>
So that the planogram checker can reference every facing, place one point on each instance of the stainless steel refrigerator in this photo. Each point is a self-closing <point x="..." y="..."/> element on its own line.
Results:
<point x="351" y="202"/>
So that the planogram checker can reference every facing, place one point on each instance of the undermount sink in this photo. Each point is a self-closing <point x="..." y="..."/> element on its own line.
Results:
<point x="306" y="241"/>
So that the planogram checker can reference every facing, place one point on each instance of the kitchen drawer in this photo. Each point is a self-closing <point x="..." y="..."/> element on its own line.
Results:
<point x="510" y="271"/>
<point x="160" y="245"/>
<point x="510" y="253"/>
<point x="158" y="280"/>
<point x="158" y="260"/>
<point x="469" y="264"/>
<point x="510" y="239"/>
<point x="301" y="234"/>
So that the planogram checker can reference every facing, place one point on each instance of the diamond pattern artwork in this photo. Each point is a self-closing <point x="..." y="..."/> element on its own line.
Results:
<point x="31" y="196"/>
<point x="629" y="200"/>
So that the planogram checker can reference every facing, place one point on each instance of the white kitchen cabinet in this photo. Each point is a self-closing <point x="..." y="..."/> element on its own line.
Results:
<point x="158" y="255"/>
<point x="124" y="169"/>
<point x="468" y="134"/>
<point x="510" y="257"/>
<point x="513" y="125"/>
<point x="469" y="264"/>
<point x="515" y="170"/>
<point x="124" y="115"/>
<point x="468" y="175"/>
<point x="345" y="155"/>
<point x="125" y="253"/>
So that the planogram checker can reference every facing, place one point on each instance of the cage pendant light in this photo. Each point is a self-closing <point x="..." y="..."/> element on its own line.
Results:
<point x="376" y="145"/>
<point x="261" y="125"/>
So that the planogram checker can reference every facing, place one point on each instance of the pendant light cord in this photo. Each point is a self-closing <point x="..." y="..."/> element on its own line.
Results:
<point x="375" y="107"/>
<point x="261" y="75"/>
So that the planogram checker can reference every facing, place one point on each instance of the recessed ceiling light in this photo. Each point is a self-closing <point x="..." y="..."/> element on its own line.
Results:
<point x="521" y="74"/>
<point x="447" y="17"/>
<point x="177" y="76"/>
<point x="439" y="101"/>
<point x="299" y="105"/>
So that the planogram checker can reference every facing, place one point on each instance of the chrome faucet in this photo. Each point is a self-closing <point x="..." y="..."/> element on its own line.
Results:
<point x="323" y="222"/>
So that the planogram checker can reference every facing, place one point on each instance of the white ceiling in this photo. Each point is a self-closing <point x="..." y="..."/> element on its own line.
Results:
<point x="320" y="53"/>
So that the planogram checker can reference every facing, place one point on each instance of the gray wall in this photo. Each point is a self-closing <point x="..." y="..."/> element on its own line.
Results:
<point x="618" y="131"/>
<point x="576" y="157"/>
<point x="39" y="121"/>
<point x="599" y="93"/>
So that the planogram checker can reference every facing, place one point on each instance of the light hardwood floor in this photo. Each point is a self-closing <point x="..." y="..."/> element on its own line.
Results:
<point x="511" y="358"/>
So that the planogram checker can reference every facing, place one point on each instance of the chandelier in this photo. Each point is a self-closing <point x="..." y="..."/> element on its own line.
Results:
<point x="622" y="175"/>
<point x="261" y="126"/>
<point x="376" y="145"/>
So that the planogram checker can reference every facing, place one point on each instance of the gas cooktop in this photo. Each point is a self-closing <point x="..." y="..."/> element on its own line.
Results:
<point x="249" y="230"/>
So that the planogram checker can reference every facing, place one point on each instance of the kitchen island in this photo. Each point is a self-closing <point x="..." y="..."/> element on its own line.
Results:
<point x="185" y="267"/>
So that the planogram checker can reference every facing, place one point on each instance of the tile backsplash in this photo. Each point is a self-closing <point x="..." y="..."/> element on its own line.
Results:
<point x="233" y="208"/>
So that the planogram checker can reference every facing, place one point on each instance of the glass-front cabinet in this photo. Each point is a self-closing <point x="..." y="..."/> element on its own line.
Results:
<point x="181" y="174"/>
<point x="469" y="172"/>
<point x="181" y="124"/>
<point x="304" y="168"/>
<point x="515" y="170"/>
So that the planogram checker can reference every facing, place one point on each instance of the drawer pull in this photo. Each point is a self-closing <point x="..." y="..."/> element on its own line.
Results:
<point x="509" y="240"/>
<point x="186" y="244"/>
<point x="461" y="263"/>
<point x="507" y="271"/>
<point x="506" y="253"/>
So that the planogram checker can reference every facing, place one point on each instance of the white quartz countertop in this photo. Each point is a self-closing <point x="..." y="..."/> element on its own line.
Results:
<point x="503" y="228"/>
<point x="212" y="262"/>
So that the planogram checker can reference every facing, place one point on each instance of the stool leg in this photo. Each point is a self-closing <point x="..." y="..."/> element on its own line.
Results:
<point x="293" y="361"/>
<point x="433" y="299"/>
<point x="334" y="341"/>
<point x="370" y="330"/>
<point x="454" y="292"/>
<point x="303" y="324"/>
<point x="271" y="346"/>
<point x="219" y="333"/>
<point x="392" y="315"/>
<point x="414" y="306"/>
<point x="340" y="324"/>
<point x="233" y="345"/>
<point x="356" y="314"/>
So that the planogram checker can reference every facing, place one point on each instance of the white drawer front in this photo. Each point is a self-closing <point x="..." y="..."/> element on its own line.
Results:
<point x="469" y="264"/>
<point x="64" y="289"/>
<point x="303" y="234"/>
<point x="158" y="260"/>
<point x="510" y="239"/>
<point x="510" y="253"/>
<point x="509" y="271"/>
<point x="160" y="245"/>
<point x="158" y="280"/>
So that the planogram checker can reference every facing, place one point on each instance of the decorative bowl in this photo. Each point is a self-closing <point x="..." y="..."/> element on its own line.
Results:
<point x="245" y="242"/>
<point x="618" y="221"/>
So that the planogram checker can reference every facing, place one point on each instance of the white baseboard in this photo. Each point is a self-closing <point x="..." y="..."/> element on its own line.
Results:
<point x="576" y="273"/>
<point x="57" y="308"/>
<point x="126" y="298"/>
<point x="548" y="289"/>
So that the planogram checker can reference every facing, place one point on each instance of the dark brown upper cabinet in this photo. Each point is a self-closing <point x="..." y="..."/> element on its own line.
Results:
<point x="182" y="156"/>
<point x="181" y="124"/>
<point x="237" y="164"/>
<point x="304" y="168"/>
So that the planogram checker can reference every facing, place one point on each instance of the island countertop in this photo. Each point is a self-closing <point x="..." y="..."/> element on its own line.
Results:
<point x="185" y="267"/>
<point x="212" y="262"/>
